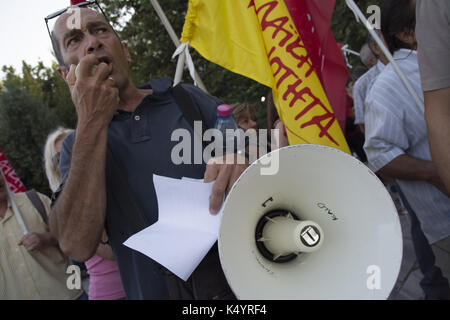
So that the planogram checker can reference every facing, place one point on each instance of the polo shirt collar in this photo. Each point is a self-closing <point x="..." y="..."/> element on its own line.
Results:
<point x="159" y="86"/>
<point x="380" y="66"/>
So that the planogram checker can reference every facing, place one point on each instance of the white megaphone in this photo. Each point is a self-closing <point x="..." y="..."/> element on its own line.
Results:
<point x="322" y="227"/>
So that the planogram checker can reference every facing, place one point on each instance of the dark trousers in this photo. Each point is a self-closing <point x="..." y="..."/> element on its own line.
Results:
<point x="434" y="284"/>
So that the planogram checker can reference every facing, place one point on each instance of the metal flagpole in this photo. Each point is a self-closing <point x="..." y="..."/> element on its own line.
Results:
<point x="352" y="5"/>
<point x="176" y="41"/>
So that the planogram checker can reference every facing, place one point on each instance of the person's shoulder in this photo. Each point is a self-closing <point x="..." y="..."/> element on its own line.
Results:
<point x="22" y="197"/>
<point x="43" y="197"/>
<point x="19" y="197"/>
<point x="198" y="92"/>
<point x="68" y="142"/>
<point x="361" y="83"/>
<point x="385" y="79"/>
<point x="365" y="79"/>
<point x="382" y="92"/>
<point x="69" y="139"/>
<point x="206" y="101"/>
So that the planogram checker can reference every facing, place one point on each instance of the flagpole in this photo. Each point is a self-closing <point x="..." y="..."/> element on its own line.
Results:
<point x="180" y="67"/>
<point x="176" y="42"/>
<point x="352" y="5"/>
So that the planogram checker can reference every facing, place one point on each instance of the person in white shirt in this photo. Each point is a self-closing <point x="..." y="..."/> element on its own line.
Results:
<point x="365" y="82"/>
<point x="397" y="145"/>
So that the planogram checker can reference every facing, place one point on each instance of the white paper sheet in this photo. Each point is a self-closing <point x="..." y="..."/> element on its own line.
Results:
<point x="185" y="230"/>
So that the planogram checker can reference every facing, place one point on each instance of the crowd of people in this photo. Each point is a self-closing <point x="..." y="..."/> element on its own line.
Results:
<point x="101" y="174"/>
<point x="398" y="137"/>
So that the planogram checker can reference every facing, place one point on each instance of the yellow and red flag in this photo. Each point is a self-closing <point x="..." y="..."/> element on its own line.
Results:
<point x="259" y="39"/>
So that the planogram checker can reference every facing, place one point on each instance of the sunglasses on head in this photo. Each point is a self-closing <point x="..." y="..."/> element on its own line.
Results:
<point x="84" y="4"/>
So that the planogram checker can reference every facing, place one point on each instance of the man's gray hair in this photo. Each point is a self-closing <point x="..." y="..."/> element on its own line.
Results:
<point x="366" y="54"/>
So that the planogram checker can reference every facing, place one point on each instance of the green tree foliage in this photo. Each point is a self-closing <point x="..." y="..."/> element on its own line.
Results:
<point x="345" y="28"/>
<point x="24" y="125"/>
<point x="31" y="106"/>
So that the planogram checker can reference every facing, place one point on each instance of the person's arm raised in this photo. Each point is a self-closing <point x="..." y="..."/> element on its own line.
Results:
<point x="78" y="216"/>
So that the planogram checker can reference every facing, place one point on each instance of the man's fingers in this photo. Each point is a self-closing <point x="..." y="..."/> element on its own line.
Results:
<point x="212" y="170"/>
<point x="102" y="72"/>
<point x="33" y="246"/>
<point x="110" y="82"/>
<point x="220" y="188"/>
<point x="24" y="239"/>
<point x="30" y="241"/>
<point x="86" y="64"/>
<point x="70" y="77"/>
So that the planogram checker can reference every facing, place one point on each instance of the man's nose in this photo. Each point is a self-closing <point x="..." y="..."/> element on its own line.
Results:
<point x="93" y="44"/>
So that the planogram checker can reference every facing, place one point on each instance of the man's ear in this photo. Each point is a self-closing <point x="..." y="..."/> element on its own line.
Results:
<point x="126" y="51"/>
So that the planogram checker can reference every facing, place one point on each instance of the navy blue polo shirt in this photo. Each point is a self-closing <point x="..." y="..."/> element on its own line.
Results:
<point x="141" y="144"/>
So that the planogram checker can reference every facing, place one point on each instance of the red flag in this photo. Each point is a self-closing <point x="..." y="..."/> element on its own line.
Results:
<point x="312" y="19"/>
<point x="74" y="2"/>
<point x="15" y="185"/>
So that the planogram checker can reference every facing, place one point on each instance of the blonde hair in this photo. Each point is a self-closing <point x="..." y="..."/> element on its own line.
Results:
<point x="52" y="168"/>
<point x="240" y="109"/>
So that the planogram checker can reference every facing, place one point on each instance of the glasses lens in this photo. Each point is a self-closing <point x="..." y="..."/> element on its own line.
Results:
<point x="74" y="14"/>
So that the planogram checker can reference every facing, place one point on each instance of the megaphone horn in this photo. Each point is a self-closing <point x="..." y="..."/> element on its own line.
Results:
<point x="314" y="230"/>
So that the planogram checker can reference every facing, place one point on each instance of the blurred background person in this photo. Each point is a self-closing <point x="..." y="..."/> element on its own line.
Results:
<point x="353" y="134"/>
<point x="104" y="278"/>
<point x="244" y="115"/>
<point x="32" y="267"/>
<point x="363" y="84"/>
<point x="367" y="57"/>
<point x="397" y="144"/>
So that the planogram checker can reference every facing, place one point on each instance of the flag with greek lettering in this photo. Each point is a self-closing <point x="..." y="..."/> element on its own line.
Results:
<point x="259" y="39"/>
<point x="13" y="181"/>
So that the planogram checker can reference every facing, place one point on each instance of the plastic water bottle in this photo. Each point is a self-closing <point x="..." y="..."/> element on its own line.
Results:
<point x="224" y="122"/>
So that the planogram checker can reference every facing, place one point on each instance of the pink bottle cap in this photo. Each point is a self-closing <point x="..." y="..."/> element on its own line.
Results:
<point x="224" y="110"/>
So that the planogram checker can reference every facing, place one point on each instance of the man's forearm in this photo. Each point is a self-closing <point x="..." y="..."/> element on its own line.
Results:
<point x="77" y="218"/>
<point x="405" y="167"/>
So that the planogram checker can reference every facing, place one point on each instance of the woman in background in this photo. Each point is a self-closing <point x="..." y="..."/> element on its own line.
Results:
<point x="104" y="278"/>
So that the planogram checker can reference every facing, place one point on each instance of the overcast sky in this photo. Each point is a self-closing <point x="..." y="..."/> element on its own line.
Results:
<point x="23" y="34"/>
